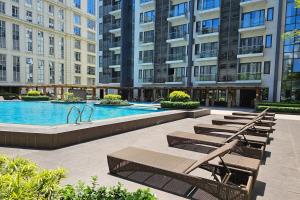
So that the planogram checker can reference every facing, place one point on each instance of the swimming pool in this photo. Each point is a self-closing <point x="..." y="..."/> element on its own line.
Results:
<point x="47" y="113"/>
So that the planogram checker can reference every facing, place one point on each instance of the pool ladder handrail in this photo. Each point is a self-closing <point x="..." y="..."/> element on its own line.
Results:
<point x="91" y="113"/>
<point x="78" y="116"/>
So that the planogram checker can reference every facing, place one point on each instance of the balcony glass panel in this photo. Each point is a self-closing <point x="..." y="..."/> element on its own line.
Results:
<point x="178" y="10"/>
<point x="208" y="4"/>
<point x="249" y="76"/>
<point x="252" y="19"/>
<point x="251" y="49"/>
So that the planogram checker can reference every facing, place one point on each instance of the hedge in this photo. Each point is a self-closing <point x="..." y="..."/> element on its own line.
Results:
<point x="112" y="97"/>
<point x="279" y="109"/>
<point x="9" y="96"/>
<point x="34" y="93"/>
<point x="279" y="104"/>
<point x="180" y="105"/>
<point x="35" y="98"/>
<point x="179" y="96"/>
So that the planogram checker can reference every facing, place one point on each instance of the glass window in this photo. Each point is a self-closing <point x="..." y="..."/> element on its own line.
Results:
<point x="296" y="65"/>
<point x="77" y="31"/>
<point x="2" y="67"/>
<point x="270" y="14"/>
<point x="51" y="45"/>
<point x="16" y="68"/>
<point x="2" y="7"/>
<point x="29" y="70"/>
<point x="91" y="7"/>
<point x="15" y="11"/>
<point x="179" y="9"/>
<point x="77" y="56"/>
<point x="77" y="68"/>
<point x="41" y="67"/>
<point x="51" y="72"/>
<point x="208" y="4"/>
<point x="267" y="67"/>
<point x="268" y="41"/>
<point x="2" y="34"/>
<point x="28" y="3"/>
<point x="77" y="3"/>
<point x="29" y="39"/>
<point x="40" y="43"/>
<point x="51" y="23"/>
<point x="62" y="74"/>
<point x="16" y="36"/>
<point x="29" y="16"/>
<point x="90" y="70"/>
<point x="77" y="19"/>
<point x="77" y="44"/>
<point x="254" y="18"/>
<point x="91" y="24"/>
<point x="51" y="9"/>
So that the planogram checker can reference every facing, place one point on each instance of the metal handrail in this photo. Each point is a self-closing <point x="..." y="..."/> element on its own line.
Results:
<point x="158" y="100"/>
<point x="79" y="113"/>
<point x="91" y="113"/>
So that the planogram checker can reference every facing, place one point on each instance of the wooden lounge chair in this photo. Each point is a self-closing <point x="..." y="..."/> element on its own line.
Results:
<point x="225" y="183"/>
<point x="266" y="123"/>
<point x="252" y="114"/>
<point x="270" y="118"/>
<point x="254" y="130"/>
<point x="252" y="149"/>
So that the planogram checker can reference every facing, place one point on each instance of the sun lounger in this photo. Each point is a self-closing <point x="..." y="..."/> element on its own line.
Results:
<point x="225" y="183"/>
<point x="1" y="98"/>
<point x="266" y="123"/>
<point x="270" y="118"/>
<point x="252" y="149"/>
<point x="252" y="114"/>
<point x="255" y="130"/>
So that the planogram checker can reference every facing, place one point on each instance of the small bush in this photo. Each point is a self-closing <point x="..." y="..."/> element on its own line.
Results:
<point x="70" y="97"/>
<point x="114" y="102"/>
<point x="180" y="105"/>
<point x="9" y="96"/>
<point x="279" y="109"/>
<point x="34" y="93"/>
<point x="35" y="98"/>
<point x="280" y="104"/>
<point x="179" y="96"/>
<point x="112" y="97"/>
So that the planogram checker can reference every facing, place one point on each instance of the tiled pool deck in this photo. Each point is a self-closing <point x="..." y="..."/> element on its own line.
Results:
<point x="279" y="176"/>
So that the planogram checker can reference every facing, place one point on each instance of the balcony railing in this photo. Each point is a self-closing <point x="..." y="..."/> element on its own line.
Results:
<point x="206" y="77"/>
<point x="146" y="80"/>
<point x="145" y="1"/>
<point x="147" y="19"/>
<point x="147" y="40"/>
<point x="175" y="13"/>
<point x="208" y="30"/>
<point x="115" y="25"/>
<point x="114" y="79"/>
<point x="115" y="44"/>
<point x="115" y="62"/>
<point x="249" y="76"/>
<point x="253" y="23"/>
<point x="174" y="78"/>
<point x="251" y="49"/>
<point x="146" y="60"/>
<point x="177" y="56"/>
<point x="116" y="7"/>
<point x="210" y="5"/>
<point x="208" y="54"/>
<point x="177" y="34"/>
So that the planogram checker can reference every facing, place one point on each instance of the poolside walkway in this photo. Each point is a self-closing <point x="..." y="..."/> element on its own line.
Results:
<point x="279" y="176"/>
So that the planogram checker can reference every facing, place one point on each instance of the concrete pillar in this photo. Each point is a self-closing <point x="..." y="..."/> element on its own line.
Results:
<point x="55" y="92"/>
<point x="206" y="98"/>
<point x="94" y="93"/>
<point x="62" y="93"/>
<point x="237" y="97"/>
<point x="154" y="95"/>
<point x="142" y="95"/>
<point x="229" y="97"/>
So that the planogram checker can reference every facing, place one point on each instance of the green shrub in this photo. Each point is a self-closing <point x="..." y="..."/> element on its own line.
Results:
<point x="114" y="102"/>
<point x="23" y="179"/>
<point x="34" y="93"/>
<point x="35" y="98"/>
<point x="112" y="97"/>
<point x="280" y="104"/>
<point x="180" y="105"/>
<point x="9" y="96"/>
<point x="179" y="96"/>
<point x="279" y="109"/>
<point x="70" y="97"/>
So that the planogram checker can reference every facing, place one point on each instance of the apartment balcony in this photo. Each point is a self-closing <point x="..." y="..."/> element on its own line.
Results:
<point x="205" y="78"/>
<point x="251" y="51"/>
<point x="146" y="61"/>
<point x="207" y="55"/>
<point x="208" y="32"/>
<point x="115" y="63"/>
<point x="146" y="80"/>
<point x="115" y="28"/>
<point x="173" y="79"/>
<point x="146" y="3"/>
<point x="114" y="79"/>
<point x="177" y="36"/>
<point x="115" y="10"/>
<point x="146" y="22"/>
<point x="174" y="16"/>
<point x="255" y="25"/>
<point x="115" y="46"/>
<point x="214" y="8"/>
<point x="147" y="41"/>
<point x="251" y="3"/>
<point x="176" y="58"/>
<point x="249" y="77"/>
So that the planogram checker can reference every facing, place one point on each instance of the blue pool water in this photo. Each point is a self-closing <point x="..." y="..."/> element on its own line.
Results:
<point x="47" y="113"/>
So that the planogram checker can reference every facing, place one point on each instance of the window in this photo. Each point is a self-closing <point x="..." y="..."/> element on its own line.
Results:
<point x="267" y="67"/>
<point x="77" y="44"/>
<point x="91" y="36"/>
<point x="15" y="11"/>
<point x="40" y="20"/>
<point x="208" y="26"/>
<point x="61" y="26"/>
<point x="2" y="7"/>
<point x="39" y="5"/>
<point x="265" y="94"/>
<point x="51" y="72"/>
<point x="77" y="80"/>
<point x="91" y="7"/>
<point x="77" y="19"/>
<point x="16" y="36"/>
<point x="2" y="67"/>
<point x="29" y="39"/>
<point x="62" y="47"/>
<point x="16" y="68"/>
<point x="208" y="4"/>
<point x="296" y="65"/>
<point x="77" y="56"/>
<point x="77" y="31"/>
<point x="147" y="16"/>
<point x="268" y="41"/>
<point x="178" y="9"/>
<point x="270" y="14"/>
<point x="91" y="24"/>
<point x="252" y="19"/>
<point x="29" y="70"/>
<point x="91" y="59"/>
<point x="29" y="16"/>
<point x="77" y="68"/>
<point x="61" y="13"/>
<point x="77" y="3"/>
<point x="2" y="34"/>
<point x="51" y="10"/>
<point x="91" y="81"/>
<point x="51" y="45"/>
<point x="41" y="67"/>
<point x="91" y="48"/>
<point x="178" y="31"/>
<point x="251" y="45"/>
<point x="51" y="23"/>
<point x="62" y="74"/>
<point x="40" y="42"/>
<point x="28" y="3"/>
<point x="196" y="71"/>
<point x="209" y="49"/>
<point x="90" y="70"/>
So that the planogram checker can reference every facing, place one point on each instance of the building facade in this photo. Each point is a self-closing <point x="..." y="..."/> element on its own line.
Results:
<point x="46" y="42"/>
<point x="223" y="52"/>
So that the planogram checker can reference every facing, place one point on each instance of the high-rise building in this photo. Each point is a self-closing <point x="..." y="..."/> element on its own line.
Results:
<point x="224" y="52"/>
<point x="47" y="42"/>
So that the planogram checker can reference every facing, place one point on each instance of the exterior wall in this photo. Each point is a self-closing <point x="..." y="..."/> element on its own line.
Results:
<point x="67" y="35"/>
